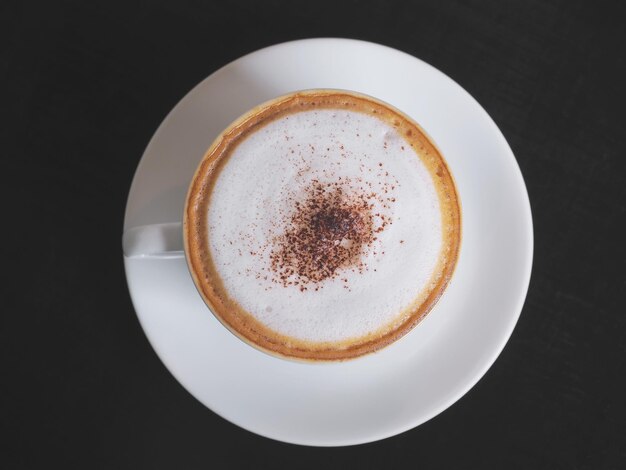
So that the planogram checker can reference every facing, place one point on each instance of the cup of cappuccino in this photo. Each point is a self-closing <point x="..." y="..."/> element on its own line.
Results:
<point x="321" y="225"/>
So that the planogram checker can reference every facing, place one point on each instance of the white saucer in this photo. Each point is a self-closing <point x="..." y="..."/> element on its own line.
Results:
<point x="409" y="382"/>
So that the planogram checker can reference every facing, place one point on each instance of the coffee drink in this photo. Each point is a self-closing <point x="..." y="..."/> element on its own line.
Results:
<point x="322" y="225"/>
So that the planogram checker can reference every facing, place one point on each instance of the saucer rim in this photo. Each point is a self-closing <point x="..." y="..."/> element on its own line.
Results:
<point x="526" y="269"/>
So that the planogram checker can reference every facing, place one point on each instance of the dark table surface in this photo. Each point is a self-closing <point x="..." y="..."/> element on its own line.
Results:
<point x="85" y="85"/>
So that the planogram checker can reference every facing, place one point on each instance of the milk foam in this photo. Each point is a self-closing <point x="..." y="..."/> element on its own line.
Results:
<point x="253" y="198"/>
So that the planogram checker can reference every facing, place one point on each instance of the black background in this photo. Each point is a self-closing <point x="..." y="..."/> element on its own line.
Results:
<point x="84" y="85"/>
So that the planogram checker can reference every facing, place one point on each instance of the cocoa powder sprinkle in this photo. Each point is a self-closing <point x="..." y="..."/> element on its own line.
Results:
<point x="327" y="233"/>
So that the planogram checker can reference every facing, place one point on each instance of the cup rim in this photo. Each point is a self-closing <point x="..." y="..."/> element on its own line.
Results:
<point x="405" y="326"/>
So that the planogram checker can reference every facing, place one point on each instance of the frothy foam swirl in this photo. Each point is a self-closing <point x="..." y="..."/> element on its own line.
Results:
<point x="325" y="225"/>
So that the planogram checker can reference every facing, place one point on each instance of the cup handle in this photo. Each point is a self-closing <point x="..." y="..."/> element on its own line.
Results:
<point x="154" y="241"/>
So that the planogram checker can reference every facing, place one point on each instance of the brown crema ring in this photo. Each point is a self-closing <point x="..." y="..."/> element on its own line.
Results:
<point x="196" y="236"/>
